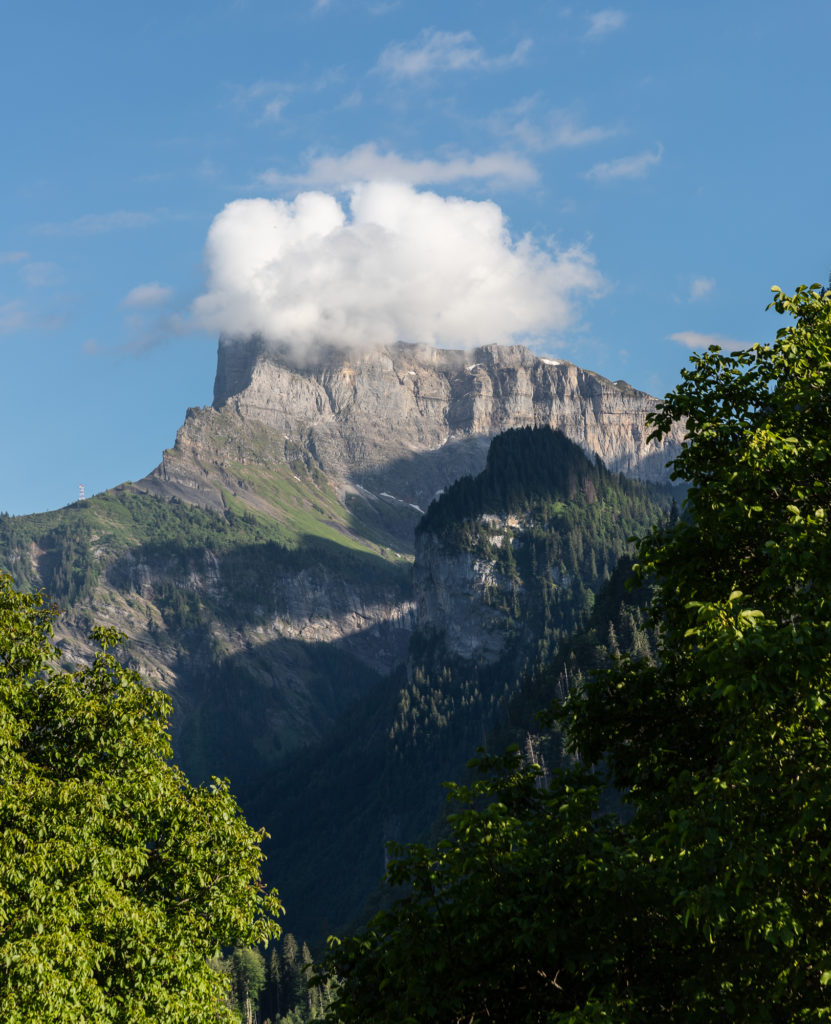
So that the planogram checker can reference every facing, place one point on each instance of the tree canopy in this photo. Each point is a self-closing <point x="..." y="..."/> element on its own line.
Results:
<point x="707" y="900"/>
<point x="118" y="879"/>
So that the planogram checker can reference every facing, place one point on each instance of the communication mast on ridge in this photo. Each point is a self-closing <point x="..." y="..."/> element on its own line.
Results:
<point x="80" y="492"/>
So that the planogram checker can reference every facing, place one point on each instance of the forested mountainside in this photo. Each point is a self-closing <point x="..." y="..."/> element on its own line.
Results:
<point x="512" y="558"/>
<point x="517" y="555"/>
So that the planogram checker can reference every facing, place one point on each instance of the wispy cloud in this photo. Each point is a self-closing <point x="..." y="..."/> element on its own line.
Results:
<point x="601" y="23"/>
<point x="351" y="100"/>
<point x="274" y="108"/>
<point x="626" y="166"/>
<point x="445" y="51"/>
<point x="98" y="223"/>
<point x="693" y="339"/>
<point x="262" y="88"/>
<point x="207" y="169"/>
<point x="553" y="129"/>
<point x="91" y="347"/>
<point x="42" y="275"/>
<point x="564" y="131"/>
<point x="13" y="317"/>
<point x="146" y="296"/>
<point x="367" y="163"/>
<point x="270" y="96"/>
<point x="700" y="287"/>
<point x="17" y="256"/>
<point x="148" y="329"/>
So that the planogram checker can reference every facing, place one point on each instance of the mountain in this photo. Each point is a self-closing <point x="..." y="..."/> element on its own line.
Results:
<point x="276" y="537"/>
<point x="263" y="574"/>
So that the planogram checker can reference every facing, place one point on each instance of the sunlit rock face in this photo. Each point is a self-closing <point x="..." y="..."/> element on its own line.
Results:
<point x="410" y="416"/>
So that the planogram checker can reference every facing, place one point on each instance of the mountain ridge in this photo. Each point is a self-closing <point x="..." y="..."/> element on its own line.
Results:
<point x="400" y="421"/>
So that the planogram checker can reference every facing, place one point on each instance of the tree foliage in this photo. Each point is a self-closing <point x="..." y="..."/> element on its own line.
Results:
<point x="486" y="908"/>
<point x="708" y="900"/>
<point x="118" y="880"/>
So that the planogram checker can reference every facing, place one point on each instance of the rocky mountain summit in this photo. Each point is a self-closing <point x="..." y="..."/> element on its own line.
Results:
<point x="392" y="426"/>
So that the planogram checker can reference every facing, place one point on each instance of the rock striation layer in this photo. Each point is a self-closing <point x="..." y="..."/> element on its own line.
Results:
<point x="401" y="422"/>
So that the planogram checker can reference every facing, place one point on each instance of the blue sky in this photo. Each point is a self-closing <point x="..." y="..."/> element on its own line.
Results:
<point x="629" y="180"/>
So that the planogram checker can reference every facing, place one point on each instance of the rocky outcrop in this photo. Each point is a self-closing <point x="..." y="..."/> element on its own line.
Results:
<point x="403" y="420"/>
<point x="454" y="593"/>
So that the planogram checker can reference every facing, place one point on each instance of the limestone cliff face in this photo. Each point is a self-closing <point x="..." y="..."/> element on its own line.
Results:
<point x="454" y="592"/>
<point x="360" y="412"/>
<point x="405" y="420"/>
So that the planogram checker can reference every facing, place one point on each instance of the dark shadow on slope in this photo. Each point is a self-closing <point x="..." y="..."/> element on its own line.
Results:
<point x="244" y="582"/>
<point x="273" y="643"/>
<point x="252" y="713"/>
<point x="326" y="811"/>
<point x="418" y="477"/>
<point x="332" y="809"/>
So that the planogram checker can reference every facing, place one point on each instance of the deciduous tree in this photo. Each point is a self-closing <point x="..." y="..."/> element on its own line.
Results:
<point x="118" y="879"/>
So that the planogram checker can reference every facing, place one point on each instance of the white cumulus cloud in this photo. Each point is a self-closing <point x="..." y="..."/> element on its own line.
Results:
<point x="445" y="51"/>
<point x="396" y="264"/>
<point x="366" y="163"/>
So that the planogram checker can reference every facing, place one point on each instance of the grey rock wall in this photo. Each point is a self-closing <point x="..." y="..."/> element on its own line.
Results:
<point x="367" y="415"/>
